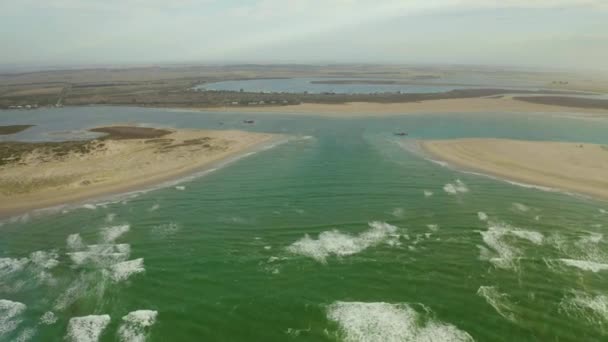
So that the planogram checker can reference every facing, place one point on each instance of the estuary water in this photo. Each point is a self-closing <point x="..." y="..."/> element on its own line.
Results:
<point x="338" y="234"/>
<point x="310" y="85"/>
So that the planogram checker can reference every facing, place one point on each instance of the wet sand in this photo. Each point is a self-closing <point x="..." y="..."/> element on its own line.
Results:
<point x="575" y="167"/>
<point x="40" y="175"/>
<point x="494" y="104"/>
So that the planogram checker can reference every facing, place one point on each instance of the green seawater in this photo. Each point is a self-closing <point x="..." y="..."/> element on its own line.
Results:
<point x="339" y="233"/>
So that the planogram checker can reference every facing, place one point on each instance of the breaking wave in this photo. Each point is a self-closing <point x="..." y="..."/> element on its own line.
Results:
<point x="455" y="188"/>
<point x="340" y="244"/>
<point x="10" y="316"/>
<point x="498" y="237"/>
<point x="87" y="328"/>
<point x="499" y="301"/>
<point x="385" y="322"/>
<point x="123" y="270"/>
<point x="592" y="309"/>
<point x="135" y="325"/>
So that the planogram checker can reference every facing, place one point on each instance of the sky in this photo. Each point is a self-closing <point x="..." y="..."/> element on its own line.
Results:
<point x="528" y="33"/>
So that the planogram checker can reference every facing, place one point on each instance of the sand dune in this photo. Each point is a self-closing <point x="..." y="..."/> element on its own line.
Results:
<point x="46" y="174"/>
<point x="576" y="167"/>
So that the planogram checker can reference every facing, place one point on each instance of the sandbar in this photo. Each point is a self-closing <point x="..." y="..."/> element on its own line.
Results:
<point x="574" y="167"/>
<point x="41" y="175"/>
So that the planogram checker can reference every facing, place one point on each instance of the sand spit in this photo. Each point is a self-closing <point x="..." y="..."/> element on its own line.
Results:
<point x="574" y="167"/>
<point x="40" y="175"/>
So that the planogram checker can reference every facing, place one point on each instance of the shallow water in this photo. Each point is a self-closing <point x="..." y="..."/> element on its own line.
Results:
<point x="300" y="85"/>
<point x="338" y="234"/>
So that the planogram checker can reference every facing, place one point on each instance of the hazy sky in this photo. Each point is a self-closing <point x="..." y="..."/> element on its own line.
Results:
<point x="552" y="33"/>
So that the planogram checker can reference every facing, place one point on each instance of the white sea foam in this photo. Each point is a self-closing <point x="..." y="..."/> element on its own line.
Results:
<point x="110" y="217"/>
<point x="48" y="318"/>
<point x="585" y="265"/>
<point x="135" y="325"/>
<point x="496" y="237"/>
<point x="74" y="242"/>
<point x="499" y="301"/>
<point x="165" y="230"/>
<point x="123" y="270"/>
<point x="180" y="187"/>
<point x="110" y="234"/>
<point x="10" y="316"/>
<point x="603" y="211"/>
<point x="521" y="207"/>
<point x="339" y="244"/>
<point x="384" y="322"/>
<point x="482" y="216"/>
<point x="43" y="259"/>
<point x="591" y="308"/>
<point x="25" y="335"/>
<point x="428" y="193"/>
<point x="455" y="188"/>
<point x="87" y="328"/>
<point x="398" y="212"/>
<point x="433" y="227"/>
<point x="154" y="207"/>
<point x="101" y="255"/>
<point x="9" y="266"/>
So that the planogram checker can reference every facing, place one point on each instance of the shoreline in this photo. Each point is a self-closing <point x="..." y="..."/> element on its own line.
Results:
<point x="488" y="105"/>
<point x="569" y="168"/>
<point x="41" y="202"/>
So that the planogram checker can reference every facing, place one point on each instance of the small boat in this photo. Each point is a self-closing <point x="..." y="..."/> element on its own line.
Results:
<point x="401" y="134"/>
<point x="248" y="121"/>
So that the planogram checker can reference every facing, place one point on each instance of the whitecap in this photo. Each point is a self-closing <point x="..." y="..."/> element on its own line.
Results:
<point x="74" y="242"/>
<point x="482" y="216"/>
<point x="585" y="265"/>
<point x="499" y="301"/>
<point x="10" y="314"/>
<point x="48" y="318"/>
<point x="398" y="212"/>
<point x="591" y="308"/>
<point x="154" y="207"/>
<point x="43" y="259"/>
<point x="433" y="227"/>
<point x="455" y="188"/>
<point x="339" y="244"/>
<point x="385" y="322"/>
<point x="101" y="255"/>
<point x="110" y="234"/>
<point x="25" y="335"/>
<point x="10" y="266"/>
<point x="90" y="206"/>
<point x="123" y="270"/>
<point x="136" y="324"/>
<point x="505" y="253"/>
<point x="428" y="193"/>
<point x="521" y="207"/>
<point x="110" y="217"/>
<point x="87" y="328"/>
<point x="180" y="188"/>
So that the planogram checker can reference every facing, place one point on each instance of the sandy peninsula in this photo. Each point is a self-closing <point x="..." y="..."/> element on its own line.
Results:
<point x="575" y="167"/>
<point x="39" y="175"/>
<point x="495" y="104"/>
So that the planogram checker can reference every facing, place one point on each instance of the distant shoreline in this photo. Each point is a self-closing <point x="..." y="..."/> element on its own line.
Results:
<point x="495" y="104"/>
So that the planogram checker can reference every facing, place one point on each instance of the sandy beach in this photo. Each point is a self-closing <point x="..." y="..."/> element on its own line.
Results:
<point x="468" y="105"/>
<point x="48" y="174"/>
<point x="464" y="105"/>
<point x="576" y="167"/>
